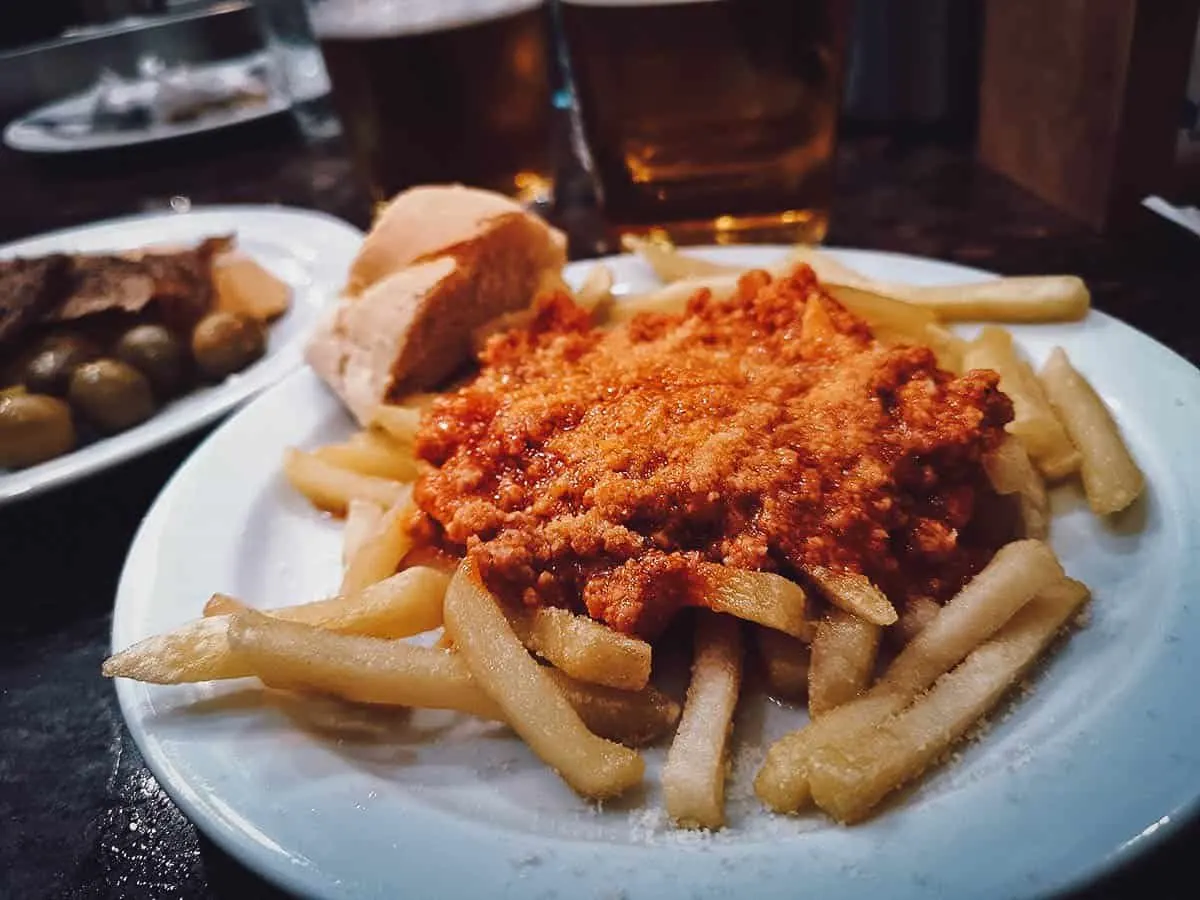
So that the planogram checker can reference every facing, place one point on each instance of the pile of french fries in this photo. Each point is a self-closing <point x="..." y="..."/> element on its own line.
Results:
<point x="581" y="695"/>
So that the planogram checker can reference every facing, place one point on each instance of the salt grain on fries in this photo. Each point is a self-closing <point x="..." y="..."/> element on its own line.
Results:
<point x="1016" y="573"/>
<point x="848" y="778"/>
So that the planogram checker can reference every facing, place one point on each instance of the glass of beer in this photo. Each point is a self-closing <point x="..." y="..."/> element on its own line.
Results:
<point x="442" y="91"/>
<point x="709" y="120"/>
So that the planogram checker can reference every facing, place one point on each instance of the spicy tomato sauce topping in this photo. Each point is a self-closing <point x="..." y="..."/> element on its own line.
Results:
<point x="596" y="469"/>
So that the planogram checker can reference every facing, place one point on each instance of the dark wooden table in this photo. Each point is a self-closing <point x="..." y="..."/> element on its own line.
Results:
<point x="80" y="816"/>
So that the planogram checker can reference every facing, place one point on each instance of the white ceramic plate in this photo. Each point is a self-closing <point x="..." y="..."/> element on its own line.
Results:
<point x="309" y="250"/>
<point x="1077" y="776"/>
<point x="27" y="134"/>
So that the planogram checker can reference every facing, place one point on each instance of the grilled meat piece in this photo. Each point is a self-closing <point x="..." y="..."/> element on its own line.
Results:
<point x="180" y="282"/>
<point x="29" y="290"/>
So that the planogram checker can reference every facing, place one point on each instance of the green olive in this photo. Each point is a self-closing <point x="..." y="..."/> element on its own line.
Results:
<point x="224" y="343"/>
<point x="33" y="429"/>
<point x="110" y="394"/>
<point x="155" y="352"/>
<point x="50" y="368"/>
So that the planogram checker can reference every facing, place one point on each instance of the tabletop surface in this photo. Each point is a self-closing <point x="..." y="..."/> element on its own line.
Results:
<point x="80" y="815"/>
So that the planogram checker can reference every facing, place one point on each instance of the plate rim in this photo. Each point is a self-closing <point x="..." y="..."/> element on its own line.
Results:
<point x="275" y="868"/>
<point x="14" y="134"/>
<point x="225" y="396"/>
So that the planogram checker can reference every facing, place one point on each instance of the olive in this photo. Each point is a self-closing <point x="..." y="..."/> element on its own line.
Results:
<point x="50" y="368"/>
<point x="224" y="343"/>
<point x="110" y="394"/>
<point x="155" y="352"/>
<point x="33" y="429"/>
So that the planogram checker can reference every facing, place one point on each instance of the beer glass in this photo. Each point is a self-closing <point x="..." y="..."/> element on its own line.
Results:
<point x="709" y="120"/>
<point x="442" y="91"/>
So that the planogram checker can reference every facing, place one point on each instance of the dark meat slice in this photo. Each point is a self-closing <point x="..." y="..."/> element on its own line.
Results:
<point x="103" y="283"/>
<point x="179" y="282"/>
<point x="183" y="282"/>
<point x="29" y="289"/>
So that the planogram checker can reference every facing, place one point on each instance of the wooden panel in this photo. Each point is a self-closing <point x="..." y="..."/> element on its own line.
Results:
<point x="1079" y="99"/>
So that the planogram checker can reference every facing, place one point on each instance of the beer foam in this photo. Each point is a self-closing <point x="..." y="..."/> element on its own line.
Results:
<point x="361" y="19"/>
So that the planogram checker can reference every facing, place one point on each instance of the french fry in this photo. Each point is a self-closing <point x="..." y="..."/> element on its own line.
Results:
<point x="381" y="553"/>
<point x="298" y="657"/>
<point x="295" y="656"/>
<point x="1010" y="472"/>
<point x="947" y="346"/>
<point x="918" y="612"/>
<point x="196" y="651"/>
<point x="633" y="718"/>
<point x="245" y="288"/>
<point x="1016" y="573"/>
<point x="585" y="649"/>
<point x="596" y="291"/>
<point x="399" y="422"/>
<point x="370" y="453"/>
<point x="761" y="597"/>
<point x="1034" y="422"/>
<point x="853" y="593"/>
<point x="362" y="519"/>
<point x="671" y="265"/>
<point x="1039" y="298"/>
<point x="331" y="487"/>
<point x="849" y="778"/>
<point x="785" y="662"/>
<point x="673" y="298"/>
<point x="1111" y="479"/>
<point x="895" y="322"/>
<point x="882" y="311"/>
<point x="842" y="662"/>
<point x="532" y="703"/>
<point x="1042" y="298"/>
<point x="407" y="603"/>
<point x="693" y="778"/>
<point x="404" y="605"/>
<point x="827" y="268"/>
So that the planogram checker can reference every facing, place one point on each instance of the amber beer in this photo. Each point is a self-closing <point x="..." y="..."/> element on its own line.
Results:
<point x="709" y="119"/>
<point x="442" y="90"/>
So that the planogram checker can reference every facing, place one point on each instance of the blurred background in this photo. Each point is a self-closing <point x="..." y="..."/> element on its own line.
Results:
<point x="1091" y="106"/>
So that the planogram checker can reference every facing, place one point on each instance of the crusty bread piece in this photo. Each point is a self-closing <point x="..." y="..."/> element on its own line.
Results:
<point x="406" y="327"/>
<point x="428" y="221"/>
<point x="357" y="344"/>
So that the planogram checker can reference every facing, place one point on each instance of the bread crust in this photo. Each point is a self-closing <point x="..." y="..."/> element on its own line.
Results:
<point x="439" y="262"/>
